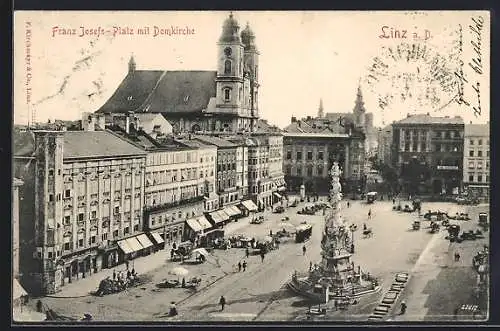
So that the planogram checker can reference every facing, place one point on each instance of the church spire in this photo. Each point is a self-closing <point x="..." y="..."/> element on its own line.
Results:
<point x="359" y="105"/>
<point x="320" y="109"/>
<point x="131" y="64"/>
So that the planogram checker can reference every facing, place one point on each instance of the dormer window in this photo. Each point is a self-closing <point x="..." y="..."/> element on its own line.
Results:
<point x="227" y="94"/>
<point x="186" y="99"/>
<point x="227" y="67"/>
<point x="129" y="98"/>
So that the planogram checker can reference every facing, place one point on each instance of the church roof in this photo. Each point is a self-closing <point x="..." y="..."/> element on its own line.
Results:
<point x="230" y="30"/>
<point x="153" y="91"/>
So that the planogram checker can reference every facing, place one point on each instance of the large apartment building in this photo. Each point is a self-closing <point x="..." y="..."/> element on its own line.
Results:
<point x="476" y="169"/>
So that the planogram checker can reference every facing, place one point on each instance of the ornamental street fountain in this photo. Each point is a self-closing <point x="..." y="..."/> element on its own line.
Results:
<point x="335" y="277"/>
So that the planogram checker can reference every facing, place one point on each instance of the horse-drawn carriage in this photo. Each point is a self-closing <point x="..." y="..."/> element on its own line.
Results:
<point x="434" y="227"/>
<point x="182" y="252"/>
<point x="257" y="220"/>
<point x="367" y="232"/>
<point x="416" y="225"/>
<point x="109" y="286"/>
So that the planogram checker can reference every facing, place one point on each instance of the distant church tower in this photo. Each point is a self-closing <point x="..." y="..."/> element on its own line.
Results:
<point x="359" y="109"/>
<point x="321" y="113"/>
<point x="131" y="64"/>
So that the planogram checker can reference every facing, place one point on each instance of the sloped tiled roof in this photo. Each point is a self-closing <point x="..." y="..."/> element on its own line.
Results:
<point x="219" y="142"/>
<point x="477" y="130"/>
<point x="427" y="119"/>
<point x="163" y="92"/>
<point x="82" y="144"/>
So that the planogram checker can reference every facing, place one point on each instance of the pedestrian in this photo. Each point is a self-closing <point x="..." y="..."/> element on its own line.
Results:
<point x="173" y="309"/>
<point x="244" y="265"/>
<point x="239" y="266"/>
<point x="126" y="264"/>
<point x="39" y="306"/>
<point x="247" y="252"/>
<point x="183" y="284"/>
<point x="348" y="204"/>
<point x="457" y="257"/>
<point x="270" y="233"/>
<point x="262" y="256"/>
<point x="365" y="227"/>
<point x="370" y="214"/>
<point x="222" y="302"/>
<point x="310" y="266"/>
<point x="133" y="271"/>
<point x="304" y="250"/>
<point x="114" y="274"/>
<point x="128" y="274"/>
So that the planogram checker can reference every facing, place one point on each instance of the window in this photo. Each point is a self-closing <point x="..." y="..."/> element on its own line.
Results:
<point x="49" y="255"/>
<point x="227" y="67"/>
<point x="299" y="171"/>
<point x="471" y="152"/>
<point x="93" y="214"/>
<point x="288" y="155"/>
<point x="67" y="220"/>
<point x="80" y="217"/>
<point x="479" y="178"/>
<point x="299" y="155"/>
<point x="480" y="153"/>
<point x="471" y="177"/>
<point x="320" y="155"/>
<point x="487" y="179"/>
<point x="227" y="94"/>
<point x="309" y="155"/>
<point x="320" y="170"/>
<point x="480" y="165"/>
<point x="471" y="142"/>
<point x="104" y="236"/>
<point x="67" y="246"/>
<point x="480" y="142"/>
<point x="407" y="147"/>
<point x="471" y="164"/>
<point x="136" y="227"/>
<point x="115" y="234"/>
<point x="67" y="193"/>
<point x="92" y="240"/>
<point x="117" y="209"/>
<point x="51" y="172"/>
<point x="488" y="153"/>
<point x="80" y="242"/>
<point x="51" y="197"/>
<point x="487" y="164"/>
<point x="126" y="230"/>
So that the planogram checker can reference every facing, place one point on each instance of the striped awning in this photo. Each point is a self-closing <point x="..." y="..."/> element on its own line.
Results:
<point x="232" y="211"/>
<point x="277" y="195"/>
<point x="199" y="223"/>
<point x="248" y="204"/>
<point x="144" y="240"/>
<point x="156" y="236"/>
<point x="125" y="247"/>
<point x="134" y="244"/>
<point x="216" y="217"/>
<point x="223" y="215"/>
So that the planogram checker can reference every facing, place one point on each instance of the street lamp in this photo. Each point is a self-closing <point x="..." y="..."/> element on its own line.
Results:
<point x="352" y="228"/>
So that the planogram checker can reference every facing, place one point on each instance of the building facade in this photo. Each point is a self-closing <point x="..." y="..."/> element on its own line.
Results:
<point x="476" y="164"/>
<point x="16" y="183"/>
<point x="232" y="169"/>
<point x="308" y="157"/>
<point x="221" y="101"/>
<point x="428" y="153"/>
<point x="83" y="196"/>
<point x="384" y="146"/>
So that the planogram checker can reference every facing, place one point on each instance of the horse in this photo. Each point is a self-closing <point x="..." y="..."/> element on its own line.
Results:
<point x="367" y="233"/>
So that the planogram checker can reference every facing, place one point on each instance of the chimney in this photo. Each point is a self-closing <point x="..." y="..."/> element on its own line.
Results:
<point x="127" y="124"/>
<point x="294" y="119"/>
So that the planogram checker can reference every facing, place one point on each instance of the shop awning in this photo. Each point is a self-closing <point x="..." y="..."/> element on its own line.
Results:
<point x="125" y="247"/>
<point x="144" y="240"/>
<point x="248" y="204"/>
<point x="223" y="215"/>
<point x="157" y="238"/>
<point x="134" y="244"/>
<point x="281" y="188"/>
<point x="17" y="290"/>
<point x="216" y="217"/>
<point x="199" y="223"/>
<point x="230" y="211"/>
<point x="277" y="195"/>
<point x="236" y="211"/>
<point x="194" y="225"/>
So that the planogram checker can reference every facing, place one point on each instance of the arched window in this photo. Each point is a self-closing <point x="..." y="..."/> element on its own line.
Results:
<point x="227" y="94"/>
<point x="227" y="67"/>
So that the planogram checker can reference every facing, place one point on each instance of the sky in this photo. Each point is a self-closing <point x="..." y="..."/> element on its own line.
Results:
<point x="304" y="57"/>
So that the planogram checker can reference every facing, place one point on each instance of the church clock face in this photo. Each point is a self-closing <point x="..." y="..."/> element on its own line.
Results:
<point x="228" y="51"/>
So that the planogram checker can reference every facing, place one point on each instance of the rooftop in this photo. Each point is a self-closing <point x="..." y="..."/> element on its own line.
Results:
<point x="80" y="144"/>
<point x="219" y="142"/>
<point x="478" y="130"/>
<point x="144" y="141"/>
<point x="155" y="91"/>
<point x="427" y="119"/>
<point x="315" y="135"/>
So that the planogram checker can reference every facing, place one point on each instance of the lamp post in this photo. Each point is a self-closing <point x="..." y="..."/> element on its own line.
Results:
<point x="352" y="228"/>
